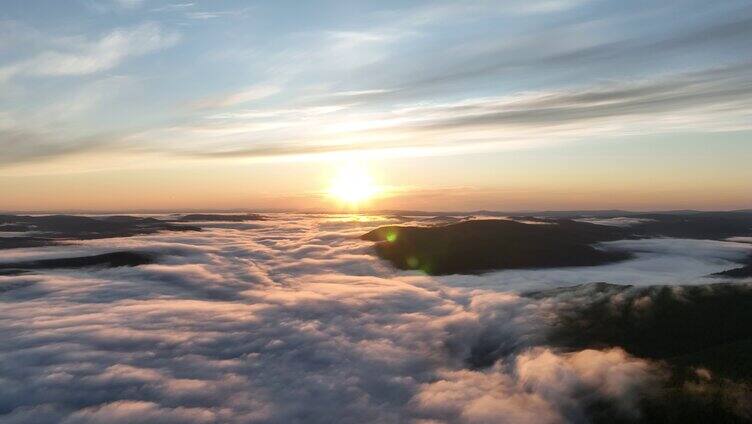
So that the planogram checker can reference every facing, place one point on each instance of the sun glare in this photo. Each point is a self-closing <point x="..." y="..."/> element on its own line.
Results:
<point x="353" y="185"/>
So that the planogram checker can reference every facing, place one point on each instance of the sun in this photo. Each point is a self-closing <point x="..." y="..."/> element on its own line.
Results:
<point x="353" y="185"/>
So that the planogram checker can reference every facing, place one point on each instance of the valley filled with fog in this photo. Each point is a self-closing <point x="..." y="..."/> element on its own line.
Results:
<point x="294" y="318"/>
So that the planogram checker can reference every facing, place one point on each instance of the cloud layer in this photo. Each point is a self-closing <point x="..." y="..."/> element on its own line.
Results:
<point x="292" y="319"/>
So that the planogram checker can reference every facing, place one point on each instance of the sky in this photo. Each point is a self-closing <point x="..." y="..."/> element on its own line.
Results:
<point x="503" y="105"/>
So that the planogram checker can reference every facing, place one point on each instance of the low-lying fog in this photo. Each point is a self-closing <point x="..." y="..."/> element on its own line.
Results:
<point x="294" y="319"/>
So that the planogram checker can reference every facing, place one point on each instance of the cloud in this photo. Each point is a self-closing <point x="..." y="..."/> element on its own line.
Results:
<point x="207" y="15"/>
<point x="550" y="6"/>
<point x="292" y="319"/>
<point x="602" y="48"/>
<point x="289" y="321"/>
<point x="384" y="87"/>
<point x="174" y="7"/>
<point x="249" y="94"/>
<point x="544" y="387"/>
<point x="710" y="100"/>
<point x="87" y="98"/>
<point x="92" y="56"/>
<point x="21" y="145"/>
<point x="482" y="397"/>
<point x="674" y="99"/>
<point x="130" y="411"/>
<point x="130" y="4"/>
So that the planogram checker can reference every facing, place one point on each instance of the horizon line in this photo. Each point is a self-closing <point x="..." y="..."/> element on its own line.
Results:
<point x="355" y="212"/>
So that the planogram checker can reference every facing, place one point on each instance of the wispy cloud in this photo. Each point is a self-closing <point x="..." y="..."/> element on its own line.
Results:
<point x="174" y="7"/>
<point x="91" y="56"/>
<point x="47" y="132"/>
<point x="130" y="4"/>
<point x="245" y="95"/>
<point x="710" y="100"/>
<point x="207" y="15"/>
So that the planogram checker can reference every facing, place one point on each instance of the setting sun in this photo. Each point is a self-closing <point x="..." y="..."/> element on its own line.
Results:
<point x="353" y="185"/>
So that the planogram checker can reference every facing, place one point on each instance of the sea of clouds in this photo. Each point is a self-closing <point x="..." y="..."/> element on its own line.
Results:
<point x="295" y="320"/>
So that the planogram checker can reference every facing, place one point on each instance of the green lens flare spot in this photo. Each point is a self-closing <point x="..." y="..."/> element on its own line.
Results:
<point x="412" y="262"/>
<point x="391" y="237"/>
